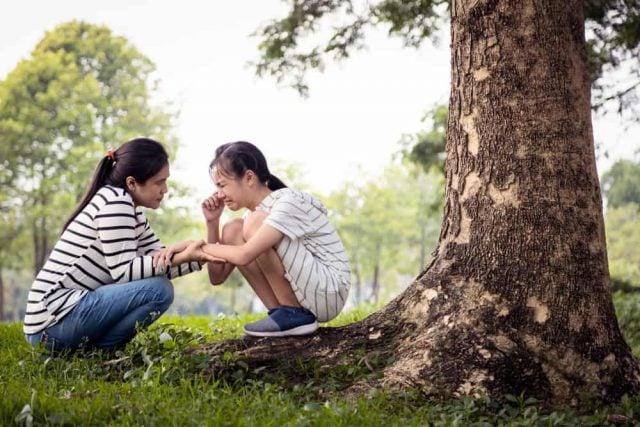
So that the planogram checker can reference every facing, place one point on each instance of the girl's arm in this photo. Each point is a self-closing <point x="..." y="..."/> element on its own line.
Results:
<point x="218" y="272"/>
<point x="265" y="238"/>
<point x="212" y="208"/>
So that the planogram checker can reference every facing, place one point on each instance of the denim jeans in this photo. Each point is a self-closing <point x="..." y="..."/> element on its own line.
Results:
<point x="107" y="317"/>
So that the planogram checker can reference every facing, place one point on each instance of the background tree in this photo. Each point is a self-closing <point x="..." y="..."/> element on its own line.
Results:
<point x="517" y="298"/>
<point x="427" y="149"/>
<point x="623" y="244"/>
<point x="621" y="183"/>
<point x="82" y="90"/>
<point x="387" y="227"/>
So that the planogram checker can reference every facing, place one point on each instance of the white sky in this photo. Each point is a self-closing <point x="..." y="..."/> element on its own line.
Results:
<point x="355" y="115"/>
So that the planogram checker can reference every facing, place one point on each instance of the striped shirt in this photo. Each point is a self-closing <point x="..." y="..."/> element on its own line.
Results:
<point x="108" y="242"/>
<point x="311" y="251"/>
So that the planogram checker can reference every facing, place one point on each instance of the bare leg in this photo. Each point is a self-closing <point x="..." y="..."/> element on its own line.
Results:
<point x="232" y="235"/>
<point x="270" y="264"/>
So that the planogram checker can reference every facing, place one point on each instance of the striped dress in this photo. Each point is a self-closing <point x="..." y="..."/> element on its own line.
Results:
<point x="109" y="242"/>
<point x="311" y="251"/>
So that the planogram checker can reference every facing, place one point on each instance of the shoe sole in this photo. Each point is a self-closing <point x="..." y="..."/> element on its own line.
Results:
<point x="300" y="330"/>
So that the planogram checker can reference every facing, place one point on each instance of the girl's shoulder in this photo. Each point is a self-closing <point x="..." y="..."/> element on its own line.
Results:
<point x="292" y="196"/>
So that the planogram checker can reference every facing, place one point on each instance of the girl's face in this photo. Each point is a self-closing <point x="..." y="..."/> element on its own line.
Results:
<point x="232" y="191"/>
<point x="151" y="193"/>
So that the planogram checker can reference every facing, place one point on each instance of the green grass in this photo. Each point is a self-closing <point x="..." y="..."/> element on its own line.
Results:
<point x="157" y="381"/>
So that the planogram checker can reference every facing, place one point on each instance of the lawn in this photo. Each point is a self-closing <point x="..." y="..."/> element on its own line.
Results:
<point x="157" y="380"/>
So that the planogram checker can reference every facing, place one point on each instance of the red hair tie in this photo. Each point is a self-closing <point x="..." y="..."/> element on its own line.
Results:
<point x="111" y="155"/>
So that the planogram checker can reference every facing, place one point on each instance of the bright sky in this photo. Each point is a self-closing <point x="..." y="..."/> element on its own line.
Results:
<point x="355" y="115"/>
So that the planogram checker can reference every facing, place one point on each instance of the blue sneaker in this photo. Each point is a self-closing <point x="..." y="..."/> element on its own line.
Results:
<point x="283" y="321"/>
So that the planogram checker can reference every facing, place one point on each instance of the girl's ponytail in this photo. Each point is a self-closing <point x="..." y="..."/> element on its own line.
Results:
<point x="99" y="180"/>
<point x="274" y="183"/>
<point x="235" y="158"/>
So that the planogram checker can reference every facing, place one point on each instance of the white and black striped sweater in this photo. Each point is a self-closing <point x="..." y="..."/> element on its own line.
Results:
<point x="109" y="242"/>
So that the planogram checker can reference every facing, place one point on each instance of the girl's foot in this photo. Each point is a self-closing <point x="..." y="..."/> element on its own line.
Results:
<point x="284" y="321"/>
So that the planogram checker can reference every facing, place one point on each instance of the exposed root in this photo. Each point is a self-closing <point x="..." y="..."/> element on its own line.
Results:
<point x="446" y="339"/>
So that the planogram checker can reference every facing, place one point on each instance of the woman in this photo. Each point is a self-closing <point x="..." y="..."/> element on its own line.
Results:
<point x="99" y="283"/>
<point x="285" y="246"/>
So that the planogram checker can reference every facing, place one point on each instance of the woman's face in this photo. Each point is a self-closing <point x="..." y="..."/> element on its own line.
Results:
<point x="232" y="191"/>
<point x="151" y="193"/>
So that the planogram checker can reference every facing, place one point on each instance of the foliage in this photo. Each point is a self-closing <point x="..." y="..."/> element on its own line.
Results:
<point x="292" y="46"/>
<point x="614" y="45"/>
<point x="285" y="55"/>
<point x="620" y="183"/>
<point x="427" y="148"/>
<point x="159" y="380"/>
<point x="629" y="318"/>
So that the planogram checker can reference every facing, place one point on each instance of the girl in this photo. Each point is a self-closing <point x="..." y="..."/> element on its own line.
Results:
<point x="99" y="281"/>
<point x="284" y="246"/>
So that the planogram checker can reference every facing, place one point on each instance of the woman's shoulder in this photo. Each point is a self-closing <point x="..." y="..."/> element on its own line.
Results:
<point x="109" y="194"/>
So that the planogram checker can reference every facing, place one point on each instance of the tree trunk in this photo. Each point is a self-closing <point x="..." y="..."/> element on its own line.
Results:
<point x="40" y="240"/>
<point x="1" y="295"/>
<point x="16" y="304"/>
<point x="517" y="297"/>
<point x="423" y="244"/>
<point x="36" y="247"/>
<point x="356" y="286"/>
<point x="375" y="283"/>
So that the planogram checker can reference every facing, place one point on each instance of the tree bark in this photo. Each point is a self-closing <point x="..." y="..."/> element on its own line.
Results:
<point x="517" y="297"/>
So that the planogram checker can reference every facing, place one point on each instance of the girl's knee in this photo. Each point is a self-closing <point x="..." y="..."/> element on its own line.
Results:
<point x="232" y="232"/>
<point x="252" y="222"/>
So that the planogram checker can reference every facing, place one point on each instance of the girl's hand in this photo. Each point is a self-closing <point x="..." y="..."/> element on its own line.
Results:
<point x="163" y="257"/>
<point x="212" y="207"/>
<point x="194" y="252"/>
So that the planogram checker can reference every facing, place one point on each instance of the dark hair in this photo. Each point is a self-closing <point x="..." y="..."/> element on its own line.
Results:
<point x="235" y="158"/>
<point x="140" y="158"/>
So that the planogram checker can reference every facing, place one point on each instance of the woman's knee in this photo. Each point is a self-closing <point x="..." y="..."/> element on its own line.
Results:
<point x="165" y="292"/>
<point x="252" y="223"/>
<point x="232" y="232"/>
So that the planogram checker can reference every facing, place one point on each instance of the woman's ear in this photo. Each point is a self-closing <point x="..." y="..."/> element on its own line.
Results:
<point x="130" y="182"/>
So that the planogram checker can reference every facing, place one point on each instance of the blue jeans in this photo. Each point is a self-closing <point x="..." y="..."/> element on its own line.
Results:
<point x="107" y="317"/>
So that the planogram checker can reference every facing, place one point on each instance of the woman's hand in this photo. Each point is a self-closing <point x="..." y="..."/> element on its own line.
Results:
<point x="163" y="257"/>
<point x="212" y="207"/>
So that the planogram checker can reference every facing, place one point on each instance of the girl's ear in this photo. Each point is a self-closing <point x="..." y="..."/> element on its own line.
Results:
<point x="250" y="177"/>
<point x="130" y="182"/>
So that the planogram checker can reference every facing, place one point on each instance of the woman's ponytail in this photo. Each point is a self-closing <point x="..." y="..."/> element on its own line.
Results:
<point x="99" y="180"/>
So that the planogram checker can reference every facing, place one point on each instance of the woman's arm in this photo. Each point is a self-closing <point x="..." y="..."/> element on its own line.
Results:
<point x="265" y="238"/>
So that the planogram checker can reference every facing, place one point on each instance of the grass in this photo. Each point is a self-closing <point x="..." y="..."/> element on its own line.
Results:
<point x="155" y="381"/>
